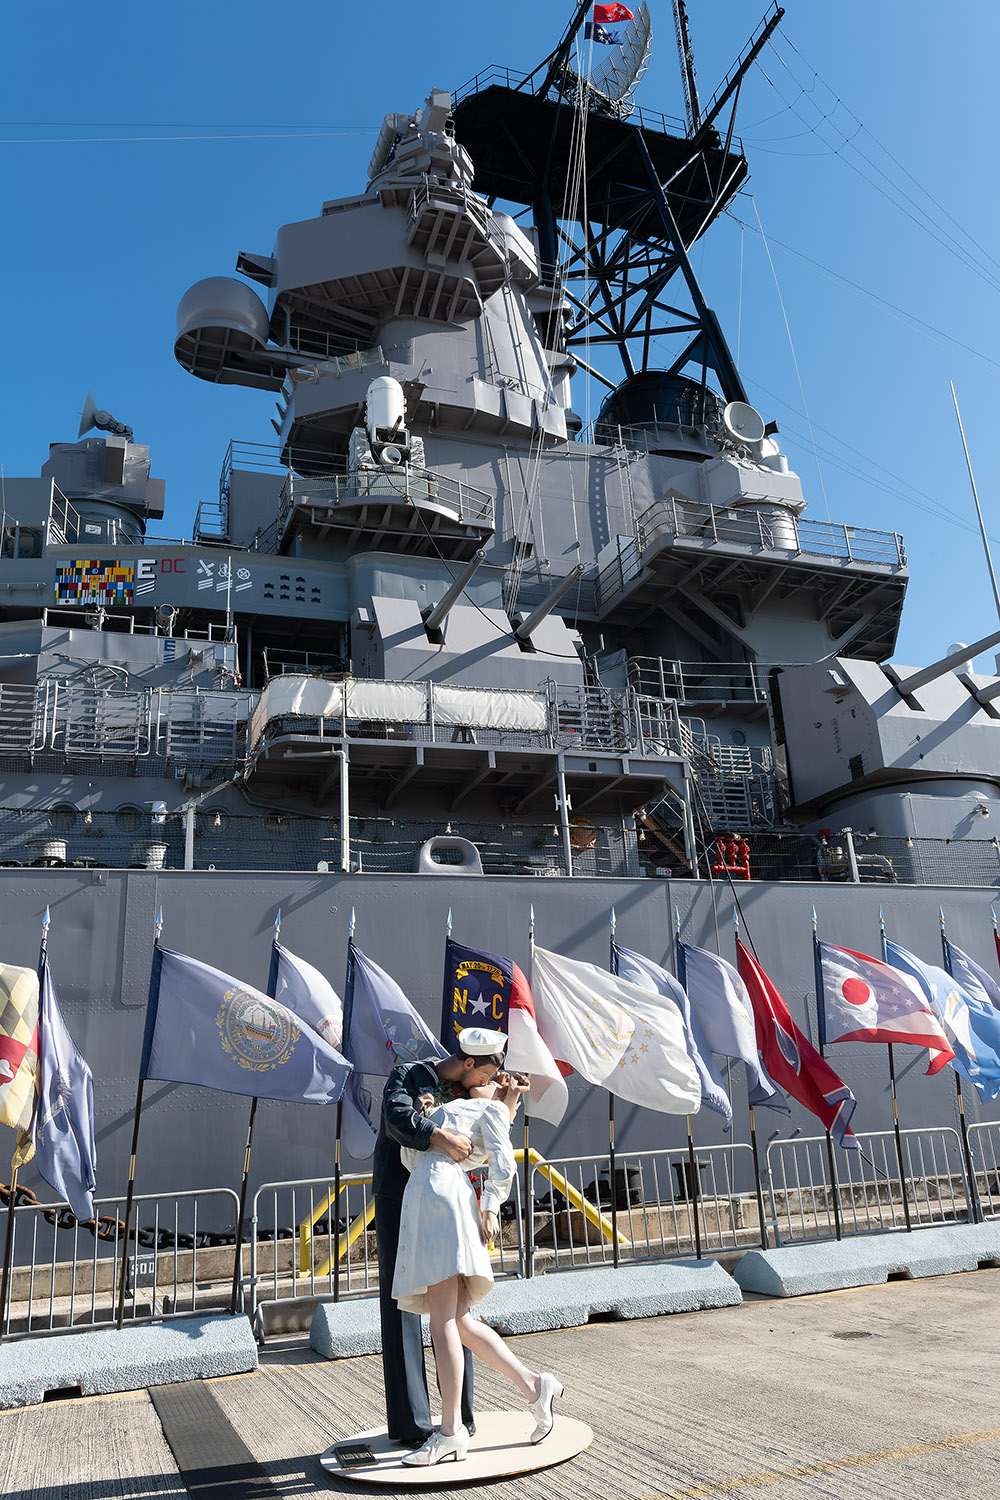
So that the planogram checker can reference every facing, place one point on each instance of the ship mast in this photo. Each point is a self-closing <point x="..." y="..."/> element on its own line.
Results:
<point x="692" y="104"/>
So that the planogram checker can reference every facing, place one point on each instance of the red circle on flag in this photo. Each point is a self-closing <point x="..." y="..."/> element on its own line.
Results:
<point x="856" y="992"/>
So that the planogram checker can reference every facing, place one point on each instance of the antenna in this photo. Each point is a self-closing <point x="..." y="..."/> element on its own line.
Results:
<point x="95" y="416"/>
<point x="692" y="104"/>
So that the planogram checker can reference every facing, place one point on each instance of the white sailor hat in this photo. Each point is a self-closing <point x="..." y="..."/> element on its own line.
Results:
<point x="476" y="1041"/>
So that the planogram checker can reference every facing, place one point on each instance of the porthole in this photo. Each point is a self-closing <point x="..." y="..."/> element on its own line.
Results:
<point x="128" y="819"/>
<point x="738" y="737"/>
<point x="63" y="817"/>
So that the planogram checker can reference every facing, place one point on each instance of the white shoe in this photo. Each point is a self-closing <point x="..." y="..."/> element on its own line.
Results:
<point x="439" y="1447"/>
<point x="541" y="1409"/>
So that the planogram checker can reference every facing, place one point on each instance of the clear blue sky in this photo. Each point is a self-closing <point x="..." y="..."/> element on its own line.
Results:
<point x="103" y="234"/>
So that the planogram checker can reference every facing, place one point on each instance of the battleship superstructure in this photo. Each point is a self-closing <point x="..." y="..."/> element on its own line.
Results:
<point x="440" y="631"/>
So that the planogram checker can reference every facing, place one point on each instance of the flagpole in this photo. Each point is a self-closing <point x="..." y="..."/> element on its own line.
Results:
<point x="895" y="1107"/>
<point x="612" y="1158"/>
<point x="975" y="1208"/>
<point x="529" y="1223"/>
<point x="123" y="1274"/>
<point x="821" y="1035"/>
<point x="241" y="1216"/>
<point x="758" y="1185"/>
<point x="337" y="1182"/>
<point x="8" y="1249"/>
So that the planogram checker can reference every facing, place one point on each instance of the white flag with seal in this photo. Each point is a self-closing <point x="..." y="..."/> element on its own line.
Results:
<point x="580" y="1013"/>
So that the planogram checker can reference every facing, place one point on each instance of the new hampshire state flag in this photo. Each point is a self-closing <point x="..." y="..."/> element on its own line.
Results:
<point x="207" y="1028"/>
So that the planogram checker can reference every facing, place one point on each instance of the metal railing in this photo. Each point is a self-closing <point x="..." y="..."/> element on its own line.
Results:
<point x="746" y="526"/>
<point x="403" y="487"/>
<point x="70" y="724"/>
<point x="510" y="78"/>
<point x="984" y="1148"/>
<point x="656" y="1208"/>
<point x="868" y="1190"/>
<point x="64" y="1277"/>
<point x="697" y="682"/>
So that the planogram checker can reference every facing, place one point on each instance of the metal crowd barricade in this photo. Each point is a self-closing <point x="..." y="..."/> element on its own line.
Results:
<point x="65" y="1278"/>
<point x="575" y="1222"/>
<point x="984" y="1147"/>
<point x="868" y="1188"/>
<point x="297" y="1234"/>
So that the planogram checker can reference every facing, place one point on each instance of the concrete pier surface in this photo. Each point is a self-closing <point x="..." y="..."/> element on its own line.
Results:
<point x="872" y="1392"/>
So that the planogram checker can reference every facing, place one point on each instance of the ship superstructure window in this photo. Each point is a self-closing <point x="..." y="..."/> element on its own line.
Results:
<point x="128" y="819"/>
<point x="63" y="817"/>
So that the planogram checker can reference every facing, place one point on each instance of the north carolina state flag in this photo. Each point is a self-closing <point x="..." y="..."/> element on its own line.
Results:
<point x="791" y="1059"/>
<point x="612" y="13"/>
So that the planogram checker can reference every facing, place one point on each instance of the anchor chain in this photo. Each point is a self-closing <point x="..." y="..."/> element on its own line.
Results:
<point x="107" y="1227"/>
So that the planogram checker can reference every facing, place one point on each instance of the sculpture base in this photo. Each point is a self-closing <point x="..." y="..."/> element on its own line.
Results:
<point x="499" y="1450"/>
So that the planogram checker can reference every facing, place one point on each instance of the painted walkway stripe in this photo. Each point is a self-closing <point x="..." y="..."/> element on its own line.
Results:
<point x="827" y="1466"/>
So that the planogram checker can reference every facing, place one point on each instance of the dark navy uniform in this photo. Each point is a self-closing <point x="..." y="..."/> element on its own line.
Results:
<point x="406" y="1402"/>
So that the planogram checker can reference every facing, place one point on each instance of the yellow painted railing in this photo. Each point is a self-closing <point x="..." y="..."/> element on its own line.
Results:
<point x="575" y="1198"/>
<point x="358" y="1225"/>
<point x="355" y="1230"/>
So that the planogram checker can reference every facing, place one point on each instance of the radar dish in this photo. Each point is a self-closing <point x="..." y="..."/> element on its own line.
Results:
<point x="743" y="424"/>
<point x="608" y="87"/>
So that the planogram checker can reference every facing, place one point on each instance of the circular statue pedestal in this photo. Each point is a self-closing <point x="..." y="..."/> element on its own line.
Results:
<point x="499" y="1450"/>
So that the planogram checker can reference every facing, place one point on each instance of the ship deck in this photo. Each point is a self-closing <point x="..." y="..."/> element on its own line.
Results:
<point x="877" y="1391"/>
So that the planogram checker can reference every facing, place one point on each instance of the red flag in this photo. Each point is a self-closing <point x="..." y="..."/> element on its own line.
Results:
<point x="527" y="1053"/>
<point x="612" y="13"/>
<point x="790" y="1058"/>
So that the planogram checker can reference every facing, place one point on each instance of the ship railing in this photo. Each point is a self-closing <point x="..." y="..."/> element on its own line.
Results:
<point x="404" y="485"/>
<point x="24" y="716"/>
<point x="498" y="74"/>
<point x="867" y="1189"/>
<point x="697" y="682"/>
<point x="65" y="1274"/>
<point x="763" y="528"/>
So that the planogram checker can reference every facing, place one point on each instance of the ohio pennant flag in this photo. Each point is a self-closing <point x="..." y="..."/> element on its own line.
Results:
<point x="18" y="1054"/>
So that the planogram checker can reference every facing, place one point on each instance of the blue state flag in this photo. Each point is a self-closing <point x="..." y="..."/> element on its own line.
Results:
<point x="971" y="1024"/>
<point x="63" y="1130"/>
<point x="594" y="32"/>
<point x="973" y="979"/>
<point x="308" y="992"/>
<point x="381" y="1027"/>
<point x="207" y="1028"/>
<point x="638" y="969"/>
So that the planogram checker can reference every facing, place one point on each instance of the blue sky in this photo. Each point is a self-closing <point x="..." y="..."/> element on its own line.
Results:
<point x="104" y="232"/>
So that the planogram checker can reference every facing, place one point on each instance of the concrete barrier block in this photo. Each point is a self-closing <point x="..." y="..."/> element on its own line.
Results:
<point x="564" y="1299"/>
<point x="868" y="1260"/>
<point x="104" y="1361"/>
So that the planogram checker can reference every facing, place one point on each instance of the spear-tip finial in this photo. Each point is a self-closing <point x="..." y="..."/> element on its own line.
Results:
<point x="277" y="924"/>
<point x="531" y="921"/>
<point x="881" y="921"/>
<point x="941" y="917"/>
<point x="159" y="925"/>
<point x="447" y="925"/>
<point x="993" y="915"/>
<point x="351" y="925"/>
<point x="736" y="921"/>
<point x="46" y="919"/>
<point x="613" y="921"/>
<point x="815" y="928"/>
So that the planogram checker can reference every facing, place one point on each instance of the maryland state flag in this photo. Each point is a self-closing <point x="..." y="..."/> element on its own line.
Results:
<point x="18" y="1054"/>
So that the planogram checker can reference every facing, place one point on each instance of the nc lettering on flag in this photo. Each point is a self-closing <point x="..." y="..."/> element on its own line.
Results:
<point x="381" y="1027"/>
<point x="594" y="33"/>
<point x="612" y="13"/>
<point x="496" y="994"/>
<point x="864" y="1000"/>
<point x="208" y="1028"/>
<point x="790" y="1057"/>
<point x="18" y="1053"/>
<point x="63" y="1131"/>
<point x="971" y="1025"/>
<point x="647" y="975"/>
<point x="477" y="990"/>
<point x="306" y="991"/>
<point x="721" y="1005"/>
